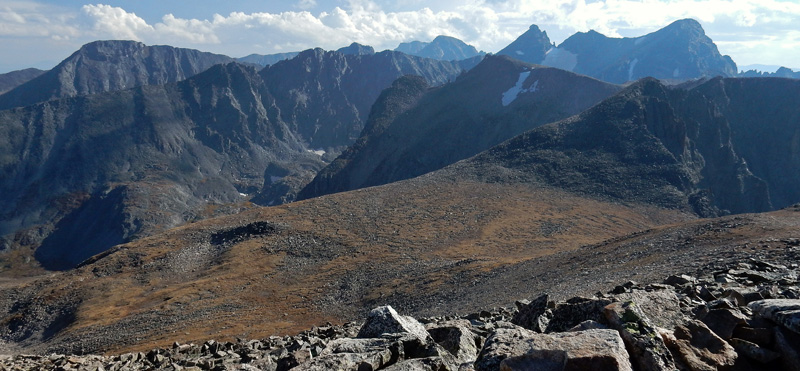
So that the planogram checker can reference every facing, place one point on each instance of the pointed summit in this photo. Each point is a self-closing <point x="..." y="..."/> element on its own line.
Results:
<point x="531" y="46"/>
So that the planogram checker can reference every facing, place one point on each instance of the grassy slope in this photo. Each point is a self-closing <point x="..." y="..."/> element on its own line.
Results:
<point x="411" y="244"/>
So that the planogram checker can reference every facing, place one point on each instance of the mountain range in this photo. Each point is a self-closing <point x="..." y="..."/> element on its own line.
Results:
<point x="431" y="185"/>
<point x="156" y="156"/>
<point x="679" y="51"/>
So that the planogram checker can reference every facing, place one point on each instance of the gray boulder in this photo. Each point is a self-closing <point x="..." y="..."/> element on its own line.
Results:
<point x="520" y="348"/>
<point x="696" y="347"/>
<point x="385" y="320"/>
<point x="648" y="349"/>
<point x="785" y="312"/>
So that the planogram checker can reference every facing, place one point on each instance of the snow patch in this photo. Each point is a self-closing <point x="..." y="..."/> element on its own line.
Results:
<point x="560" y="58"/>
<point x="519" y="52"/>
<point x="510" y="95"/>
<point x="630" y="68"/>
<point x="242" y="194"/>
<point x="274" y="179"/>
<point x="318" y="152"/>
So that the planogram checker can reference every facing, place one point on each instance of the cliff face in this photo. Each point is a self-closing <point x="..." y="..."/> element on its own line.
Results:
<point x="103" y="66"/>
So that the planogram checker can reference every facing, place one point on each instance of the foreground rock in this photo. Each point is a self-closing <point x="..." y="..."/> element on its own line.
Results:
<point x="743" y="317"/>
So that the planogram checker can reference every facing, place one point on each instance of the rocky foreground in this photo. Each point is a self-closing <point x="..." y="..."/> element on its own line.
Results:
<point x="743" y="317"/>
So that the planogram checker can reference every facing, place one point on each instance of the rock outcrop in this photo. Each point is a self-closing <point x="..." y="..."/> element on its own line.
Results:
<point x="766" y="339"/>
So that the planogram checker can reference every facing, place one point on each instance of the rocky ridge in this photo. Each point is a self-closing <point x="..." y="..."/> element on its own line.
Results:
<point x="111" y="65"/>
<point x="744" y="316"/>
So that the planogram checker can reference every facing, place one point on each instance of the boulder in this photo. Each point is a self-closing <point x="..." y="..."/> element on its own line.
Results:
<point x="753" y="351"/>
<point x="457" y="338"/>
<point x="385" y="320"/>
<point x="647" y="347"/>
<point x="696" y="347"/>
<point x="590" y="349"/>
<point x="788" y="344"/>
<point x="544" y="360"/>
<point x="531" y="315"/>
<point x="724" y="321"/>
<point x="576" y="310"/>
<point x="420" y="364"/>
<point x="785" y="312"/>
<point x="662" y="307"/>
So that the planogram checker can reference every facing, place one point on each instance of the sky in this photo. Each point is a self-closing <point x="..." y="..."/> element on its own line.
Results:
<point x="42" y="33"/>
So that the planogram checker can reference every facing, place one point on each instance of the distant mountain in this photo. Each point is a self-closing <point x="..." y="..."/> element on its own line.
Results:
<point x="103" y="66"/>
<point x="79" y="175"/>
<point x="680" y="51"/>
<point x="780" y="72"/>
<point x="326" y="96"/>
<point x="532" y="46"/>
<point x="13" y="79"/>
<point x="443" y="48"/>
<point x="266" y="60"/>
<point x="723" y="146"/>
<point x="759" y="68"/>
<point x="356" y="49"/>
<point x="412" y="131"/>
<point x="412" y="47"/>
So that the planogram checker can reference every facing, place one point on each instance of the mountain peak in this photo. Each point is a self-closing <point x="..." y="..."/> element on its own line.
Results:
<point x="357" y="49"/>
<point x="531" y="46"/>
<point x="442" y="47"/>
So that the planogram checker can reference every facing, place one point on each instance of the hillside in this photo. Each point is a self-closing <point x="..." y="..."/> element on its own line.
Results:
<point x="13" y="79"/>
<point x="494" y="101"/>
<point x="721" y="145"/>
<point x="417" y="245"/>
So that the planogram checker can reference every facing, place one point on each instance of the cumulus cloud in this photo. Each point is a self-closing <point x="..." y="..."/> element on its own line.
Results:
<point x="750" y="30"/>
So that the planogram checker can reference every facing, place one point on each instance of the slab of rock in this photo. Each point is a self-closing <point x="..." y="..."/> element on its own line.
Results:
<point x="590" y="349"/>
<point x="457" y="338"/>
<point x="531" y="315"/>
<point x="540" y="360"/>
<point x="419" y="364"/>
<point x="753" y="351"/>
<point x="724" y="321"/>
<point x="567" y="315"/>
<point x="785" y="312"/>
<point x="699" y="348"/>
<point x="662" y="307"/>
<point x="647" y="347"/>
<point x="385" y="320"/>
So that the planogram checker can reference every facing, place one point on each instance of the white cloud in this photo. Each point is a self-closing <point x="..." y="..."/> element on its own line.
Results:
<point x="751" y="31"/>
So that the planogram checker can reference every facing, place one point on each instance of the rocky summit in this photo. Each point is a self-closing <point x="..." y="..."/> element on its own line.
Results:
<point x="744" y="316"/>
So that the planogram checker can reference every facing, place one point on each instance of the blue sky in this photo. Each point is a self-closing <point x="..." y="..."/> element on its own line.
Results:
<point x="42" y="33"/>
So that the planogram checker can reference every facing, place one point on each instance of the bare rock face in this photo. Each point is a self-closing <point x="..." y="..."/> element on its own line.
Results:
<point x="516" y="349"/>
